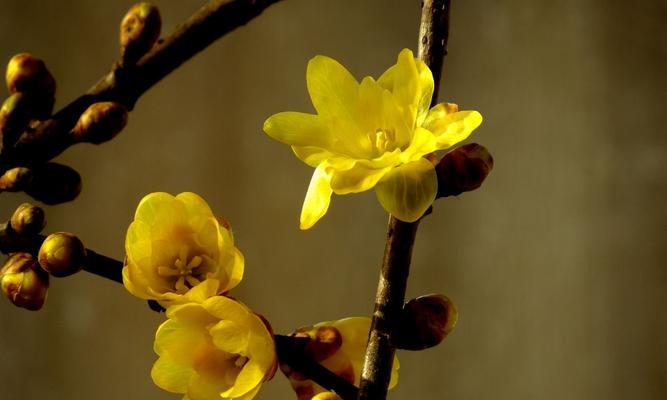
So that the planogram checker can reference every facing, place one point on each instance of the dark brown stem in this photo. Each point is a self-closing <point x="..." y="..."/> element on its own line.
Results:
<point x="290" y="350"/>
<point x="390" y="296"/>
<point x="97" y="264"/>
<point x="126" y="84"/>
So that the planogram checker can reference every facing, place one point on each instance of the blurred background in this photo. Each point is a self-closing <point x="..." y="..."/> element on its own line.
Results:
<point x="557" y="264"/>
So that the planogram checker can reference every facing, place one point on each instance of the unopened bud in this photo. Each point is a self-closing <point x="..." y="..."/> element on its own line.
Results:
<point x="14" y="117"/>
<point x="327" y="396"/>
<point x="322" y="342"/>
<point x="54" y="184"/>
<point x="28" y="74"/>
<point x="425" y="321"/>
<point x="62" y="254"/>
<point x="463" y="169"/>
<point x="23" y="282"/>
<point x="16" y="179"/>
<point x="139" y="31"/>
<point x="100" y="122"/>
<point x="28" y="219"/>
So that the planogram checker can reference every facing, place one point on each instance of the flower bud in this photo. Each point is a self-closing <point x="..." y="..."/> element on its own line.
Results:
<point x="28" y="219"/>
<point x="62" y="254"/>
<point x="23" y="282"/>
<point x="14" y="117"/>
<point x="322" y="342"/>
<point x="54" y="184"/>
<point x="100" y="122"/>
<point x="463" y="169"/>
<point x="16" y="179"/>
<point x="425" y="321"/>
<point x="139" y="31"/>
<point x="26" y="73"/>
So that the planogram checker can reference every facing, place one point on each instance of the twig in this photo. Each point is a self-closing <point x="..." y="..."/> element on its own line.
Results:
<point x="126" y="84"/>
<point x="291" y="353"/>
<point x="290" y="350"/>
<point x="376" y="371"/>
<point x="97" y="264"/>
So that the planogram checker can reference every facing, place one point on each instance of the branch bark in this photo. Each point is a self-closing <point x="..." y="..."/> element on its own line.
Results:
<point x="376" y="371"/>
<point x="125" y="84"/>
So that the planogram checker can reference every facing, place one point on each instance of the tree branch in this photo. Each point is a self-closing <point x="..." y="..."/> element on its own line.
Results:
<point x="125" y="84"/>
<point x="376" y="371"/>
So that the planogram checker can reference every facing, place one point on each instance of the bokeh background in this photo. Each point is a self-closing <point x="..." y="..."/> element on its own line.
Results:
<point x="557" y="263"/>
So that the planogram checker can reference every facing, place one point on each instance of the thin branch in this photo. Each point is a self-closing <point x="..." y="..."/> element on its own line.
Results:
<point x="376" y="371"/>
<point x="291" y="353"/>
<point x="97" y="264"/>
<point x="126" y="84"/>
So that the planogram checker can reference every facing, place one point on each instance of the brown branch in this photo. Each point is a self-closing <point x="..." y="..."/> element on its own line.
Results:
<point x="126" y="84"/>
<point x="376" y="371"/>
<point x="97" y="264"/>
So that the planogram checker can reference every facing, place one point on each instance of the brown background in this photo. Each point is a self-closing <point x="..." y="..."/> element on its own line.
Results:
<point x="557" y="264"/>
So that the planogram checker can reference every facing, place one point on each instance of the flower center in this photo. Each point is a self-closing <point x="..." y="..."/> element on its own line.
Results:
<point x="382" y="140"/>
<point x="183" y="270"/>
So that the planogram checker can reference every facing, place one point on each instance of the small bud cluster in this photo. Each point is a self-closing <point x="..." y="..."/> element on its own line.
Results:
<point x="24" y="278"/>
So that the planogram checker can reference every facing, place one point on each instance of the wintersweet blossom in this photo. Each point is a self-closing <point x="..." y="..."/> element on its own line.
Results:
<point x="373" y="134"/>
<point x="339" y="346"/>
<point x="175" y="244"/>
<point x="213" y="350"/>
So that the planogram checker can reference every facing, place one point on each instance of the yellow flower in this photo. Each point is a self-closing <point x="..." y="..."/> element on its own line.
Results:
<point x="372" y="134"/>
<point x="175" y="244"/>
<point x="340" y="347"/>
<point x="217" y="349"/>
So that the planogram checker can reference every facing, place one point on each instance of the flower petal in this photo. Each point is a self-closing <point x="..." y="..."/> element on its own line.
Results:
<point x="357" y="179"/>
<point x="230" y="337"/>
<point x="171" y="376"/>
<point x="423" y="142"/>
<point x="318" y="197"/>
<point x="298" y="129"/>
<point x="195" y="206"/>
<point x="250" y="377"/>
<point x="312" y="155"/>
<point x="160" y="208"/>
<point x="333" y="90"/>
<point x="451" y="128"/>
<point x="178" y="341"/>
<point x="407" y="191"/>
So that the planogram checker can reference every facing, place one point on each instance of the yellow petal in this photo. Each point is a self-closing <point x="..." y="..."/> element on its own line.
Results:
<point x="191" y="313"/>
<point x="250" y="377"/>
<point x="451" y="128"/>
<point x="202" y="388"/>
<point x="407" y="191"/>
<point x="178" y="341"/>
<point x="426" y="86"/>
<point x="298" y="129"/>
<point x="311" y="155"/>
<point x="198" y="294"/>
<point x="171" y="376"/>
<point x="318" y="197"/>
<point x="195" y="206"/>
<point x="333" y="90"/>
<point x="230" y="336"/>
<point x="160" y="208"/>
<point x="250" y="395"/>
<point x="223" y="307"/>
<point x="357" y="179"/>
<point x="423" y="142"/>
